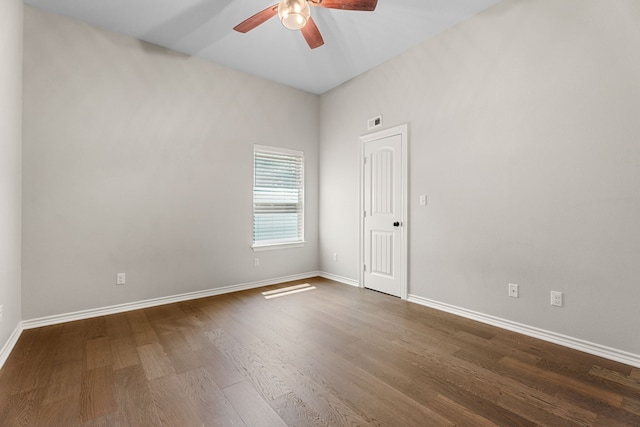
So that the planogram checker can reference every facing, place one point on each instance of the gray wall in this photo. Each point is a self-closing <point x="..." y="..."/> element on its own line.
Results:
<point x="10" y="164"/>
<point x="524" y="135"/>
<point x="139" y="160"/>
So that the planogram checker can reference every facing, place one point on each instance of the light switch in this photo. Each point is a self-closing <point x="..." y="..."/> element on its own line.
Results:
<point x="423" y="200"/>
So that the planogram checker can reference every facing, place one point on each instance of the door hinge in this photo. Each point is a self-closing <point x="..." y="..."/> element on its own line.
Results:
<point x="364" y="267"/>
<point x="365" y="160"/>
<point x="364" y="214"/>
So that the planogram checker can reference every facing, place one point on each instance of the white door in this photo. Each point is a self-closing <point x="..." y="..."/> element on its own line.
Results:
<point x="384" y="211"/>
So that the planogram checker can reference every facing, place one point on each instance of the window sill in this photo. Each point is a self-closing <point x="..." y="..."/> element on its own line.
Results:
<point x="276" y="246"/>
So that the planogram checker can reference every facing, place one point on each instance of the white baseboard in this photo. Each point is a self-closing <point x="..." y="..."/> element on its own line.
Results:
<point x="121" y="308"/>
<point x="8" y="347"/>
<point x="340" y="279"/>
<point x="566" y="341"/>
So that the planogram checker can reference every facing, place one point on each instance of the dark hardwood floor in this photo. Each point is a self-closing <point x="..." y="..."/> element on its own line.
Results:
<point x="333" y="356"/>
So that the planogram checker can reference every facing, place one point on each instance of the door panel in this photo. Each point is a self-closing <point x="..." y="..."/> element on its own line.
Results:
<point x="382" y="253"/>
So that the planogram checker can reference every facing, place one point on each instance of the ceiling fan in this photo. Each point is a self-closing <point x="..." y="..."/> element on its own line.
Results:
<point x="296" y="15"/>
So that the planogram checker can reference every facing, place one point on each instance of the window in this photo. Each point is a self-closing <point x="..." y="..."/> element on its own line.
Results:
<point x="278" y="197"/>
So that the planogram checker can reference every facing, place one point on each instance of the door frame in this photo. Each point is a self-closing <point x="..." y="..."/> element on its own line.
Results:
<point x="403" y="131"/>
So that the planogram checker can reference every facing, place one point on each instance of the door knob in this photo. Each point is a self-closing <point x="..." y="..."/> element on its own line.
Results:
<point x="396" y="224"/>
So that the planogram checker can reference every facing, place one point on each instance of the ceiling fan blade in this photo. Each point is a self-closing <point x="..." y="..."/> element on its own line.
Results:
<point x="312" y="34"/>
<point x="257" y="19"/>
<point x="366" y="5"/>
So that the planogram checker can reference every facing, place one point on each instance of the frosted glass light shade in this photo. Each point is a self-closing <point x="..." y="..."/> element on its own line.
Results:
<point x="294" y="14"/>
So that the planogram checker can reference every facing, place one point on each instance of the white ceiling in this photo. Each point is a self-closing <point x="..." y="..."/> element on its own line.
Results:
<point x="354" y="41"/>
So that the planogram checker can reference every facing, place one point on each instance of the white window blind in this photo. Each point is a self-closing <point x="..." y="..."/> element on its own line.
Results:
<point x="278" y="196"/>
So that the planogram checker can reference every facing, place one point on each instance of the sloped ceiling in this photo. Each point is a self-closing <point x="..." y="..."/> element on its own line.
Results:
<point x="354" y="41"/>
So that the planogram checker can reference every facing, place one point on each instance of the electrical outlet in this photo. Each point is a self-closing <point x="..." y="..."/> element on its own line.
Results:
<point x="335" y="257"/>
<point x="556" y="298"/>
<point x="120" y="279"/>
<point x="256" y="262"/>
<point x="513" y="290"/>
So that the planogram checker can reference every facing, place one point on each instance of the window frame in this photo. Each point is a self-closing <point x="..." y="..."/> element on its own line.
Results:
<point x="265" y="244"/>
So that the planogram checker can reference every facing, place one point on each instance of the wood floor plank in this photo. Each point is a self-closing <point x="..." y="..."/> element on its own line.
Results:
<point x="284" y="332"/>
<point x="71" y="347"/>
<point x="164" y="326"/>
<point x="98" y="353"/>
<point x="22" y="409"/>
<point x="604" y="411"/>
<point x="626" y="381"/>
<point x="190" y="322"/>
<point x="530" y="403"/>
<point x="384" y="404"/>
<point x="117" y="326"/>
<point x="196" y="338"/>
<point x="172" y="403"/>
<point x="22" y="349"/>
<point x="632" y="406"/>
<point x="331" y="409"/>
<point x="32" y="375"/>
<point x="88" y="329"/>
<point x="380" y="362"/>
<point x="10" y="379"/>
<point x="482" y="405"/>
<point x="204" y="310"/>
<point x="37" y="371"/>
<point x="65" y="382"/>
<point x="141" y="329"/>
<point x="251" y="406"/>
<point x="295" y="411"/>
<point x="225" y="310"/>
<point x="222" y="370"/>
<point x="165" y="311"/>
<point x="176" y="347"/>
<point x="97" y="393"/>
<point x="174" y="343"/>
<point x="63" y="412"/>
<point x="458" y="413"/>
<point x="123" y="352"/>
<point x="155" y="361"/>
<point x="109" y="420"/>
<point x="250" y="365"/>
<point x="213" y="407"/>
<point x="133" y="395"/>
<point x="604" y="395"/>
<point x="96" y="327"/>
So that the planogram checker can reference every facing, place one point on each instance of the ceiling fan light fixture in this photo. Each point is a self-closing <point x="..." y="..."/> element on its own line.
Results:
<point x="294" y="14"/>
